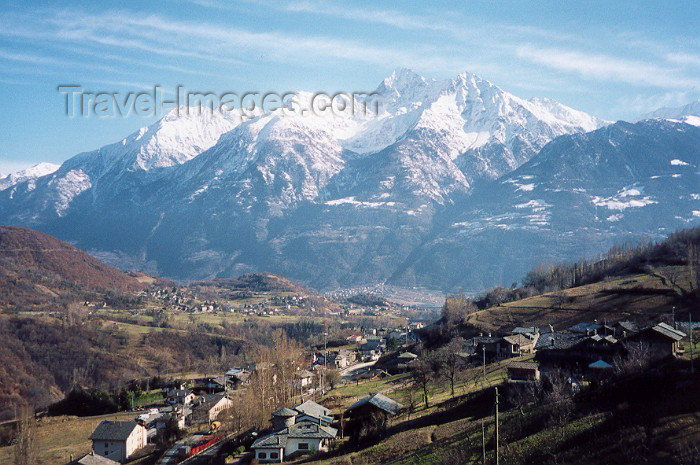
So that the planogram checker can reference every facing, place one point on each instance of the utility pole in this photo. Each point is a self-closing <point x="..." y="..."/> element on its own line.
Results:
<point x="673" y="317"/>
<point x="690" y="328"/>
<point x="325" y="359"/>
<point x="483" y="352"/>
<point x="483" y="443"/>
<point x="497" y="458"/>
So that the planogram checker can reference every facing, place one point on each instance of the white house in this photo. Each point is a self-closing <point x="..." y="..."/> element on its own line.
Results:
<point x="306" y="378"/>
<point x="304" y="437"/>
<point x="208" y="406"/>
<point x="181" y="396"/>
<point x="118" y="440"/>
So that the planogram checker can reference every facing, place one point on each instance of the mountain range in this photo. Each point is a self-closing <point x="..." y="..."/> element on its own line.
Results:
<point x="453" y="184"/>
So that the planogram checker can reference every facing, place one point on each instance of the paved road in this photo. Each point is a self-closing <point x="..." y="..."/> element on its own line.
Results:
<point x="347" y="373"/>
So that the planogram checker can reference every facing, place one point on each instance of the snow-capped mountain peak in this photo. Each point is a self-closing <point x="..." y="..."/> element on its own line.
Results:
<point x="28" y="174"/>
<point x="197" y="193"/>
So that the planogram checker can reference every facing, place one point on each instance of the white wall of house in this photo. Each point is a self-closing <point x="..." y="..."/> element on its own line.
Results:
<point x="115" y="450"/>
<point x="295" y="445"/>
<point x="120" y="451"/>
<point x="275" y="455"/>
<point x="223" y="404"/>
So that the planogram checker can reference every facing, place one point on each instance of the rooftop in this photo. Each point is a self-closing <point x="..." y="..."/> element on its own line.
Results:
<point x="524" y="330"/>
<point x="302" y="430"/>
<point x="600" y="365"/>
<point x="518" y="339"/>
<point x="92" y="459"/>
<point x="524" y="365"/>
<point x="380" y="401"/>
<point x="668" y="331"/>
<point x="285" y="412"/>
<point x="608" y="338"/>
<point x="585" y="327"/>
<point x="628" y="326"/>
<point x="313" y="409"/>
<point x="558" y="341"/>
<point x="114" y="430"/>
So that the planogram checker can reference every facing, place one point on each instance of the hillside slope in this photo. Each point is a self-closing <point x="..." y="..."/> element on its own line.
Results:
<point x="36" y="268"/>
<point x="580" y="195"/>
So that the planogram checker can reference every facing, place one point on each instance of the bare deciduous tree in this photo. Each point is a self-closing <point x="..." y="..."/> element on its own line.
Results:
<point x="558" y="397"/>
<point x="637" y="359"/>
<point x="333" y="378"/>
<point x="451" y="362"/>
<point x="423" y="375"/>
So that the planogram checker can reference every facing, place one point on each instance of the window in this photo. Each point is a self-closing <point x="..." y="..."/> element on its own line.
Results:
<point x="263" y="455"/>
<point x="303" y="446"/>
<point x="274" y="455"/>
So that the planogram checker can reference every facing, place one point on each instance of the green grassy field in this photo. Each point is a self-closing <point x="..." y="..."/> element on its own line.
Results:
<point x="639" y="296"/>
<point x="57" y="438"/>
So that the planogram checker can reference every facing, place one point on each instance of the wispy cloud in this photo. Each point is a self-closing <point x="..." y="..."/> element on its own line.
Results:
<point x="684" y="59"/>
<point x="606" y="67"/>
<point x="639" y="105"/>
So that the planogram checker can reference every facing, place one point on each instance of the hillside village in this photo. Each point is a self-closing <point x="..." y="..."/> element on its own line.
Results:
<point x="592" y="353"/>
<point x="352" y="391"/>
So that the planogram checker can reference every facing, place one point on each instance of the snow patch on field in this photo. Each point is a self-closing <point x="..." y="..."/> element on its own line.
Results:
<point x="358" y="203"/>
<point x="629" y="197"/>
<point x="525" y="187"/>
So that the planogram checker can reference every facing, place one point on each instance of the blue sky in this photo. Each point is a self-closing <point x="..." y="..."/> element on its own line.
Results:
<point x="612" y="59"/>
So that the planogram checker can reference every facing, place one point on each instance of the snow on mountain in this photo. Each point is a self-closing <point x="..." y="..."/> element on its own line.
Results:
<point x="331" y="199"/>
<point x="27" y="175"/>
<point x="578" y="196"/>
<point x="689" y="113"/>
<point x="176" y="138"/>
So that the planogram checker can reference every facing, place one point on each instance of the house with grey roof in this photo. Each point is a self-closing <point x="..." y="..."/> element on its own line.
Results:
<point x="523" y="371"/>
<point x="371" y="416"/>
<point x="92" y="459"/>
<point x="118" y="440"/>
<point x="519" y="344"/>
<point x="305" y="379"/>
<point x="207" y="407"/>
<point x="525" y="330"/>
<point x="662" y="339"/>
<point x="304" y="437"/>
<point x="180" y="396"/>
<point x="558" y="348"/>
<point x="374" y="403"/>
<point x="313" y="409"/>
<point x="585" y="327"/>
